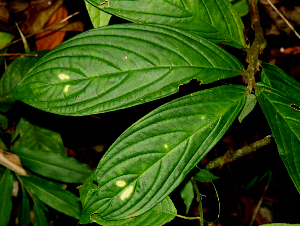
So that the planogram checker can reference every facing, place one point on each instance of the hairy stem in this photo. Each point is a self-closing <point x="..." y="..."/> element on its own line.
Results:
<point x="256" y="48"/>
<point x="233" y="155"/>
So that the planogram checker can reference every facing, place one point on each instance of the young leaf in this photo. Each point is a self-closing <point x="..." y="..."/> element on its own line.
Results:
<point x="3" y="122"/>
<point x="39" y="214"/>
<point x="53" y="165"/>
<point x="283" y="115"/>
<point x="159" y="215"/>
<point x="120" y="66"/>
<point x="241" y="6"/>
<point x="205" y="176"/>
<point x="150" y="159"/>
<point x="249" y="106"/>
<point x="6" y="186"/>
<point x="35" y="137"/>
<point x="187" y="194"/>
<point x="12" y="75"/>
<point x="54" y="196"/>
<point x="98" y="17"/>
<point x="24" y="209"/>
<point x="5" y="38"/>
<point x="215" y="20"/>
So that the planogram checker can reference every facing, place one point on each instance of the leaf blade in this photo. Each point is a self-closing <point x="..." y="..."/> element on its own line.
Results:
<point x="187" y="194"/>
<point x="53" y="165"/>
<point x="154" y="155"/>
<point x="126" y="65"/>
<point x="98" y="17"/>
<point x="6" y="186"/>
<point x="215" y="20"/>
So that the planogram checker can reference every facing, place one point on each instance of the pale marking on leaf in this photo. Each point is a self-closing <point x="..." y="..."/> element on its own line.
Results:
<point x="120" y="183"/>
<point x="166" y="146"/>
<point x="102" y="3"/>
<point x="63" y="76"/>
<point x="126" y="193"/>
<point x="202" y="117"/>
<point x="66" y="89"/>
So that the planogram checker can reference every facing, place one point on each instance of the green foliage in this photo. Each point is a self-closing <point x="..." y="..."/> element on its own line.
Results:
<point x="119" y="66"/>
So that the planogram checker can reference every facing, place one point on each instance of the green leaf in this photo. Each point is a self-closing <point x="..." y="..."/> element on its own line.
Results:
<point x="6" y="186"/>
<point x="159" y="215"/>
<point x="98" y="17"/>
<point x="5" y="38"/>
<point x="283" y="115"/>
<point x="53" y="165"/>
<point x="216" y="20"/>
<point x="241" y="6"/>
<point x="54" y="196"/>
<point x="249" y="106"/>
<point x="3" y="122"/>
<point x="205" y="176"/>
<point x="2" y="51"/>
<point x="151" y="158"/>
<point x="12" y="75"/>
<point x="187" y="194"/>
<point x="2" y="145"/>
<point x="39" y="214"/>
<point x="277" y="79"/>
<point x="24" y="209"/>
<point x="35" y="137"/>
<point x="120" y="66"/>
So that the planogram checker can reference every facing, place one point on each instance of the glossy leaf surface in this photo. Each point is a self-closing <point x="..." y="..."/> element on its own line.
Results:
<point x="98" y="17"/>
<point x="119" y="66"/>
<point x="53" y="165"/>
<point x="36" y="137"/>
<point x="215" y="20"/>
<point x="283" y="115"/>
<point x="54" y="196"/>
<point x="150" y="159"/>
<point x="6" y="186"/>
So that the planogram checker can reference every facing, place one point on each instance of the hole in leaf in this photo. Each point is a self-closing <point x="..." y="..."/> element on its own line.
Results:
<point x="295" y="107"/>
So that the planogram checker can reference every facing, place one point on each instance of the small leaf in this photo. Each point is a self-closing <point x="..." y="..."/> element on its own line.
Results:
<point x="12" y="75"/>
<point x="249" y="106"/>
<point x="3" y="122"/>
<point x="151" y="158"/>
<point x="5" y="38"/>
<point x="53" y="165"/>
<point x="6" y="186"/>
<point x="215" y="20"/>
<point x="116" y="67"/>
<point x="241" y="6"/>
<point x="54" y="196"/>
<point x="98" y="17"/>
<point x="159" y="215"/>
<point x="39" y="214"/>
<point x="24" y="209"/>
<point x="205" y="176"/>
<point x="187" y="194"/>
<point x="284" y="121"/>
<point x="35" y="137"/>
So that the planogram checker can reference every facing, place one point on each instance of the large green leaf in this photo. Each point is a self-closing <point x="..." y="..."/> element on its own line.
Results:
<point x="98" y="17"/>
<point x="39" y="214"/>
<point x="153" y="156"/>
<point x="53" y="165"/>
<point x="6" y="186"/>
<point x="283" y="115"/>
<point x="216" y="20"/>
<point x="12" y="75"/>
<point x="24" y="209"/>
<point x="120" y="66"/>
<point x="54" y="196"/>
<point x="160" y="214"/>
<point x="36" y="137"/>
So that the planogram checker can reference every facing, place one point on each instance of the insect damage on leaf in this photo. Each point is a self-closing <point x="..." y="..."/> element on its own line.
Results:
<point x="295" y="107"/>
<point x="104" y="5"/>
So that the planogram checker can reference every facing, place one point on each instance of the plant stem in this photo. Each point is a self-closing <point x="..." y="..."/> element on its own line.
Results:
<point x="233" y="155"/>
<point x="19" y="54"/>
<point x="256" y="48"/>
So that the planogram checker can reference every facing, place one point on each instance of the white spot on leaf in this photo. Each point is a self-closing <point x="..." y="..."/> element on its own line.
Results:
<point x="166" y="146"/>
<point x="126" y="193"/>
<point x="66" y="89"/>
<point x="63" y="76"/>
<point x="120" y="183"/>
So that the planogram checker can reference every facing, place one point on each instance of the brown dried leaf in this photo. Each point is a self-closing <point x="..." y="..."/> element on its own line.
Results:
<point x="4" y="14"/>
<point x="12" y="161"/>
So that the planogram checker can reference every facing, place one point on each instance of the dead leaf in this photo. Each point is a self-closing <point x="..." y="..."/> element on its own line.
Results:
<point x="38" y="14"/>
<point x="294" y="50"/>
<point x="49" y="39"/>
<point x="12" y="161"/>
<point x="4" y="14"/>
